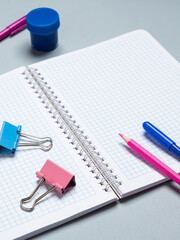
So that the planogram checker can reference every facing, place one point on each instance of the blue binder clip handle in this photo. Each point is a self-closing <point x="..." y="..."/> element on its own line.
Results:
<point x="9" y="139"/>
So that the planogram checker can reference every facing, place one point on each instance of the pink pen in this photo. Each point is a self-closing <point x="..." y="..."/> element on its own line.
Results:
<point x="152" y="159"/>
<point x="13" y="28"/>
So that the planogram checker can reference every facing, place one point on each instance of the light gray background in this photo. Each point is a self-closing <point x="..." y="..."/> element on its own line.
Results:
<point x="153" y="214"/>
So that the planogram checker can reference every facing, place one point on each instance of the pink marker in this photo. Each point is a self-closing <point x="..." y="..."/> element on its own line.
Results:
<point x="13" y="28"/>
<point x="152" y="159"/>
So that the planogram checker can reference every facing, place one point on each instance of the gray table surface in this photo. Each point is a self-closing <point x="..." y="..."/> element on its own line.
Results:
<point x="155" y="213"/>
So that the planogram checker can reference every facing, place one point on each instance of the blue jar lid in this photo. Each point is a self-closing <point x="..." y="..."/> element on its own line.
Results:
<point x="42" y="21"/>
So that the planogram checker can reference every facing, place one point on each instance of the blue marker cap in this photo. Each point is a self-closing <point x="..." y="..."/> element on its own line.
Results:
<point x="43" y="24"/>
<point x="158" y="135"/>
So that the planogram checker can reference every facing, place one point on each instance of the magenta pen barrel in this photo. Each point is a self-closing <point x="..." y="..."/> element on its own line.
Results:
<point x="13" y="28"/>
<point x="4" y="33"/>
<point x="18" y="30"/>
<point x="17" y="24"/>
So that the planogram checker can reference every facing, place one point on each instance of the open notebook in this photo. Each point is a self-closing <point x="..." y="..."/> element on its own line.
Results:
<point x="82" y="100"/>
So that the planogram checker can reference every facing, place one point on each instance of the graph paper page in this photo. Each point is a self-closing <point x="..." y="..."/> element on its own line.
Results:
<point x="19" y="105"/>
<point x="114" y="87"/>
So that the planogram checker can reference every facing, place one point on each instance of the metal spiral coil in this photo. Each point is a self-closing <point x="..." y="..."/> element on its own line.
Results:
<point x="73" y="131"/>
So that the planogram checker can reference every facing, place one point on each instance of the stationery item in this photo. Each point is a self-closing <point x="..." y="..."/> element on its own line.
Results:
<point x="163" y="139"/>
<point x="13" y="28"/>
<point x="81" y="99"/>
<point x="43" y="24"/>
<point x="9" y="139"/>
<point x="152" y="159"/>
<point x="58" y="178"/>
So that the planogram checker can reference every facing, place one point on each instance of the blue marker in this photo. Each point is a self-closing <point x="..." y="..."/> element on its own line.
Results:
<point x="164" y="140"/>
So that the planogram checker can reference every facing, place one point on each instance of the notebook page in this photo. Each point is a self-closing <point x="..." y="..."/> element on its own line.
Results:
<point x="20" y="106"/>
<point x="114" y="87"/>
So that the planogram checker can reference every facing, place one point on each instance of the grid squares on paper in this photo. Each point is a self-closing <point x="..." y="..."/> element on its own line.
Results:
<point x="17" y="174"/>
<point x="116" y="86"/>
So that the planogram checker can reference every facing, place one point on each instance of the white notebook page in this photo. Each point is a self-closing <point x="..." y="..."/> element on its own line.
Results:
<point x="114" y="87"/>
<point x="20" y="106"/>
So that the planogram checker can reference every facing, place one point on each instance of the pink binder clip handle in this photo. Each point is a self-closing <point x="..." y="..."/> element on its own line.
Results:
<point x="58" y="178"/>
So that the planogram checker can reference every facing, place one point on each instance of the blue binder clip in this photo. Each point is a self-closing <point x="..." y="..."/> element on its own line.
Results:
<point x="9" y="139"/>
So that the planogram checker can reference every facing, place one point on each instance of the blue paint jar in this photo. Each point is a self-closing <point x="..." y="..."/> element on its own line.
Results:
<point x="43" y="24"/>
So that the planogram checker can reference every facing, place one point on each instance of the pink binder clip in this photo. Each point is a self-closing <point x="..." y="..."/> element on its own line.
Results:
<point x="58" y="178"/>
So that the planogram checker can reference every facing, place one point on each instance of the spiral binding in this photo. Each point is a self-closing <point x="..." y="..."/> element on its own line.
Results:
<point x="72" y="130"/>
